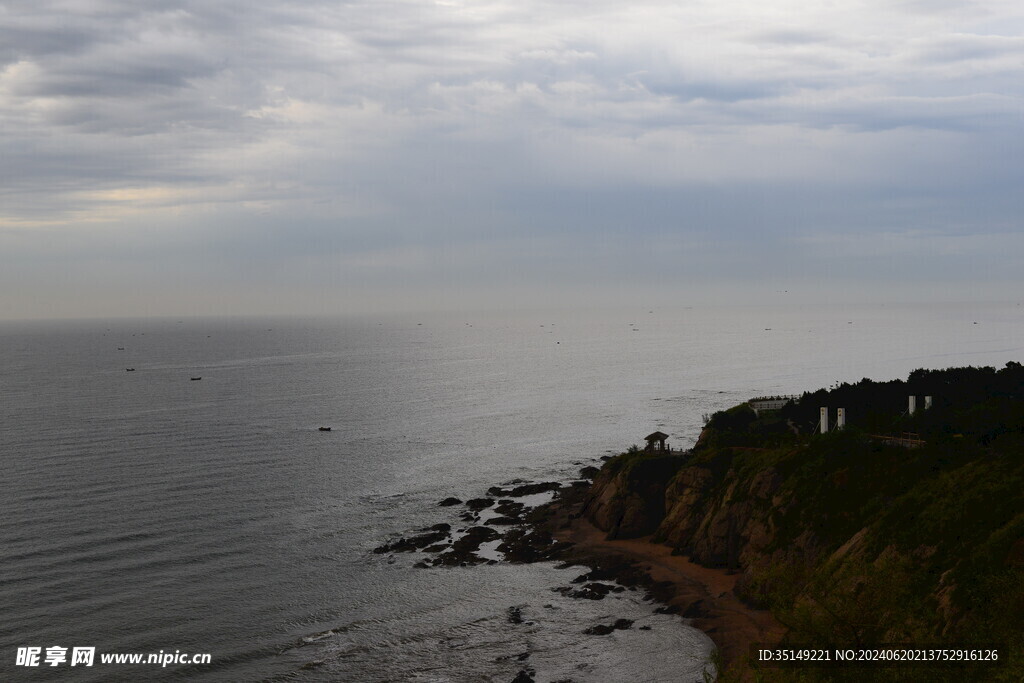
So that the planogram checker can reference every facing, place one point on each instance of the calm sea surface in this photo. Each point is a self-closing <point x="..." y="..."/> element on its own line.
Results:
<point x="142" y="511"/>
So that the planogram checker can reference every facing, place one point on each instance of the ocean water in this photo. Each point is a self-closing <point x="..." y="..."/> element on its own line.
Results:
<point x="145" y="512"/>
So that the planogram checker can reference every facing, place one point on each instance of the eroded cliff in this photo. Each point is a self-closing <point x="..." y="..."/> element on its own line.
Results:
<point x="845" y="537"/>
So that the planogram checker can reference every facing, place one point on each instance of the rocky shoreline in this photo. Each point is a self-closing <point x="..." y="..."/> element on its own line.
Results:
<point x="502" y="527"/>
<point x="849" y="537"/>
<point x="525" y="538"/>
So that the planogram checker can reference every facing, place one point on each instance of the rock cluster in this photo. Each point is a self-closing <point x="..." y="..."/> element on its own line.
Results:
<point x="527" y="538"/>
<point x="427" y="537"/>
<point x="519" y="543"/>
<point x="524" y="489"/>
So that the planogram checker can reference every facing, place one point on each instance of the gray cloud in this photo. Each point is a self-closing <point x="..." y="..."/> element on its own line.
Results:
<point x="967" y="47"/>
<point x="785" y="36"/>
<point x="370" y="143"/>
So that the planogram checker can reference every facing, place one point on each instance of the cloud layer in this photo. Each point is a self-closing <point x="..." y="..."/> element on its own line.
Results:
<point x="176" y="156"/>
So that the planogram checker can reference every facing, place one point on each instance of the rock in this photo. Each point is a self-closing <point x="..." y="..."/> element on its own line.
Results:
<point x="629" y="501"/>
<point x="524" y="676"/>
<point x="524" y="489"/>
<point x="408" y="545"/>
<point x="605" y="629"/>
<point x="478" y="504"/>
<point x="448" y="502"/>
<point x="531" y="489"/>
<point x="595" y="591"/>
<point x="476" y="535"/>
<point x="524" y="545"/>
<point x="463" y="551"/>
<point x="500" y="521"/>
<point x="615" y="568"/>
<point x="509" y="508"/>
<point x="687" y="506"/>
<point x="589" y="472"/>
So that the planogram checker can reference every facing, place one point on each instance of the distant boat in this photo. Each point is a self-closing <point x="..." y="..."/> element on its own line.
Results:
<point x="129" y="369"/>
<point x="325" y="429"/>
<point x="120" y="348"/>
<point x="195" y="379"/>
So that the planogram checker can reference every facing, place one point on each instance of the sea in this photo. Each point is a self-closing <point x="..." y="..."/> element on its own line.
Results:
<point x="148" y="512"/>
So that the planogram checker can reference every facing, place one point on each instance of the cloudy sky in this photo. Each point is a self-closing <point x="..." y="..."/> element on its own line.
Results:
<point x="243" y="156"/>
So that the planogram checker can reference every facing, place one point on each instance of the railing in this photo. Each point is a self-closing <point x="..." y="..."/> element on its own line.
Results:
<point x="770" y="403"/>
<point x="780" y="397"/>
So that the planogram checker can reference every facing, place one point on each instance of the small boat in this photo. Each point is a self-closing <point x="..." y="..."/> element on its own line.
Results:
<point x="195" y="379"/>
<point x="325" y="429"/>
<point x="129" y="369"/>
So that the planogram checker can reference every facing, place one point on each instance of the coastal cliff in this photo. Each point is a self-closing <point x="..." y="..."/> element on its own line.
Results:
<point x="848" y="537"/>
<point x="628" y="496"/>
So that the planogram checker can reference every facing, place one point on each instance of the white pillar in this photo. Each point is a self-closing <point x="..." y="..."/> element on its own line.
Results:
<point x="840" y="418"/>
<point x="824" y="420"/>
<point x="911" y="405"/>
<point x="927" y="402"/>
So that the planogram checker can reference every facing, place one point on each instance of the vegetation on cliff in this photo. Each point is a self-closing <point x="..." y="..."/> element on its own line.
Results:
<point x="848" y="538"/>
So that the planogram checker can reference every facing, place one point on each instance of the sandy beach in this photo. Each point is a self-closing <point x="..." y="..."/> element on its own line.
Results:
<point x="703" y="594"/>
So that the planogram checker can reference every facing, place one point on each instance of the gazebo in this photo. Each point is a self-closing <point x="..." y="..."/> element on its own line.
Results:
<point x="656" y="441"/>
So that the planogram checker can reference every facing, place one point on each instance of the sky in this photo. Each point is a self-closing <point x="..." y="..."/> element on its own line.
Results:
<point x="231" y="157"/>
